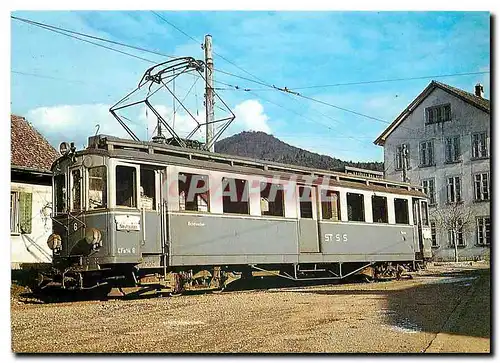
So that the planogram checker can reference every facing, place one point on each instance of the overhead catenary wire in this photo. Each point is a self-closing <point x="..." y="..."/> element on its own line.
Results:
<point x="63" y="32"/>
<point x="53" y="27"/>
<point x="70" y="33"/>
<point x="300" y="115"/>
<point x="355" y="83"/>
<point x="199" y="42"/>
<point x="261" y="82"/>
<point x="283" y="90"/>
<point x="47" y="77"/>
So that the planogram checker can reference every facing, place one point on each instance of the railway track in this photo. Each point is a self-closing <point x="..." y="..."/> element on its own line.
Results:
<point x="266" y="285"/>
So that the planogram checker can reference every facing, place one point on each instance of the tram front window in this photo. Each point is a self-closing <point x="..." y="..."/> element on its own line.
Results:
<point x="60" y="193"/>
<point x="97" y="187"/>
<point x="126" y="186"/>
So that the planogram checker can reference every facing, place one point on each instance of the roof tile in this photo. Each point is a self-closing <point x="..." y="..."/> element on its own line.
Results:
<point x="28" y="147"/>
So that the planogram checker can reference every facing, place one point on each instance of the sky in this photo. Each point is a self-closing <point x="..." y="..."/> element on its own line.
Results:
<point x="65" y="87"/>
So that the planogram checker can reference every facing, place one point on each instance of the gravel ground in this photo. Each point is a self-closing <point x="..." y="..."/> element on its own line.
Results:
<point x="425" y="313"/>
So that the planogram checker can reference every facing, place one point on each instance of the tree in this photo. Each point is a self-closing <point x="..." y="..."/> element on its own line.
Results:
<point x="456" y="219"/>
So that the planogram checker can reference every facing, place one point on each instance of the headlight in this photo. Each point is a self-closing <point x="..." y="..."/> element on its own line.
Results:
<point x="93" y="237"/>
<point x="54" y="242"/>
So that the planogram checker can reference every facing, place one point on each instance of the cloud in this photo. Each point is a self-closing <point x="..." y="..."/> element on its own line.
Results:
<point x="74" y="122"/>
<point x="250" y="116"/>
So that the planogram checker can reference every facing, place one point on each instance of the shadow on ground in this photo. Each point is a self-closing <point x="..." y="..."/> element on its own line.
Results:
<point x="427" y="306"/>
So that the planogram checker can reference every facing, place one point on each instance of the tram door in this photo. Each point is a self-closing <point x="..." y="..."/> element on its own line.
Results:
<point x="150" y="206"/>
<point x="417" y="227"/>
<point x="308" y="224"/>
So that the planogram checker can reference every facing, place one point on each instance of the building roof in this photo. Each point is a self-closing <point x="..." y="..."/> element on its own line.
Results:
<point x="29" y="149"/>
<point x="470" y="98"/>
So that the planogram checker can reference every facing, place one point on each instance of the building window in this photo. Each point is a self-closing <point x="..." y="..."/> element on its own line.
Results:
<point x="126" y="189"/>
<point x="235" y="196"/>
<point x="76" y="190"/>
<point x="454" y="190"/>
<point x="272" y="200"/>
<point x="355" y="207"/>
<point x="482" y="186"/>
<point x="97" y="187"/>
<point x="402" y="152"/>
<point x="306" y="206"/>
<point x="379" y="209"/>
<point x="438" y="113"/>
<point x="401" y="211"/>
<point x="483" y="231"/>
<point x="434" y="242"/>
<point x="430" y="190"/>
<point x="426" y="153"/>
<point x="479" y="145"/>
<point x="456" y="237"/>
<point x="194" y="194"/>
<point x="452" y="149"/>
<point x="330" y="205"/>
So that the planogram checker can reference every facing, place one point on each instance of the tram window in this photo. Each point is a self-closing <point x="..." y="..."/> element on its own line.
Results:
<point x="97" y="187"/>
<point x="193" y="192"/>
<point x="76" y="189"/>
<point x="379" y="209"/>
<point x="148" y="189"/>
<point x="272" y="200"/>
<point x="401" y="211"/>
<point x="425" y="214"/>
<point x="330" y="205"/>
<point x="235" y="196"/>
<point x="355" y="207"/>
<point x="126" y="186"/>
<point x="60" y="193"/>
<point x="305" y="195"/>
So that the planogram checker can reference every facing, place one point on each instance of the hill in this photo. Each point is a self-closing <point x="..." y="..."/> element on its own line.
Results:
<point x="259" y="145"/>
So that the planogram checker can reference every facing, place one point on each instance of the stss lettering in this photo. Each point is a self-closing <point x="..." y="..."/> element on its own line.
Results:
<point x="337" y="237"/>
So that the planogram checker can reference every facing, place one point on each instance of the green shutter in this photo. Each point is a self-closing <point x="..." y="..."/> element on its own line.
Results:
<point x="25" y="200"/>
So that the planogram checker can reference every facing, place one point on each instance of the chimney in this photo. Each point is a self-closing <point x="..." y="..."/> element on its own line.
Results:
<point x="478" y="90"/>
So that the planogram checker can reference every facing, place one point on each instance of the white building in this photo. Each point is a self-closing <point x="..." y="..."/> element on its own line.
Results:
<point x="445" y="135"/>
<point x="30" y="195"/>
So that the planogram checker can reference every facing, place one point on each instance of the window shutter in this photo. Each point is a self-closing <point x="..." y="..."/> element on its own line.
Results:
<point x="456" y="144"/>
<point x="447" y="112"/>
<point x="25" y="206"/>
<point x="430" y="147"/>
<point x="408" y="156"/>
<point x="399" y="153"/>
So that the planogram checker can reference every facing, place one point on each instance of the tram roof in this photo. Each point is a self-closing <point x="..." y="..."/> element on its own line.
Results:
<point x="114" y="146"/>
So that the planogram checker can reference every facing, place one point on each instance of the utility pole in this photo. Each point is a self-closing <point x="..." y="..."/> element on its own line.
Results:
<point x="405" y="163"/>
<point x="209" y="92"/>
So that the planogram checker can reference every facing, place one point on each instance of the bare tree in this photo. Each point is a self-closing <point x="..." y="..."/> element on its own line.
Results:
<point x="455" y="219"/>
